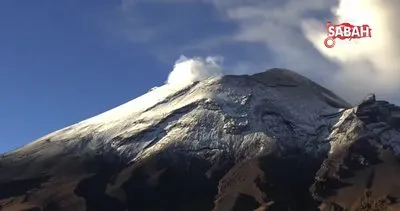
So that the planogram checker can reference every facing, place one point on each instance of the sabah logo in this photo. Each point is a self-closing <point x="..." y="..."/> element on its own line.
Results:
<point x="345" y="31"/>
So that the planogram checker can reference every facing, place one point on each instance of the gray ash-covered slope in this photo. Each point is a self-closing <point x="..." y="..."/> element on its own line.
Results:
<point x="269" y="141"/>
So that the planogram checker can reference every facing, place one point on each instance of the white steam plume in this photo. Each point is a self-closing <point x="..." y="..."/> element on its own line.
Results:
<point x="188" y="70"/>
<point x="185" y="71"/>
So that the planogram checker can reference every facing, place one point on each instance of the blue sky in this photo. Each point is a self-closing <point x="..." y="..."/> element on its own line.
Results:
<point x="59" y="66"/>
<point x="64" y="61"/>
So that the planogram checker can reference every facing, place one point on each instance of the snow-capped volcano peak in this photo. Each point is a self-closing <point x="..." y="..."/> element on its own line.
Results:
<point x="238" y="112"/>
<point x="245" y="134"/>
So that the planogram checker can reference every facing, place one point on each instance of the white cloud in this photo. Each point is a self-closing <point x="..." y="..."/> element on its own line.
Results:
<point x="295" y="38"/>
<point x="276" y="24"/>
<point x="188" y="70"/>
<point x="292" y="32"/>
<point x="373" y="64"/>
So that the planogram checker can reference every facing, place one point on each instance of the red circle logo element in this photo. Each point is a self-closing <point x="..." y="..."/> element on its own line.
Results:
<point x="332" y="43"/>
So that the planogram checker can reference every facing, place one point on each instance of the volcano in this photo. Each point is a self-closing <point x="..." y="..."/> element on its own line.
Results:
<point x="273" y="141"/>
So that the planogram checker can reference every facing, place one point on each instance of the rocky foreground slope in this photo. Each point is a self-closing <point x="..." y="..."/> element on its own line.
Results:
<point x="271" y="141"/>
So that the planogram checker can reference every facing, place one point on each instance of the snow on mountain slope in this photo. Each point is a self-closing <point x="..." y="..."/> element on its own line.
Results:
<point x="269" y="141"/>
<point x="242" y="115"/>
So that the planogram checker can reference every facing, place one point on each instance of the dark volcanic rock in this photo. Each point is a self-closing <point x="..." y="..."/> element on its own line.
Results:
<point x="275" y="182"/>
<point x="162" y="183"/>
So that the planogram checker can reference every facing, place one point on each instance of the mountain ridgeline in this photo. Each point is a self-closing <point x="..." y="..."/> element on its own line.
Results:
<point x="273" y="141"/>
